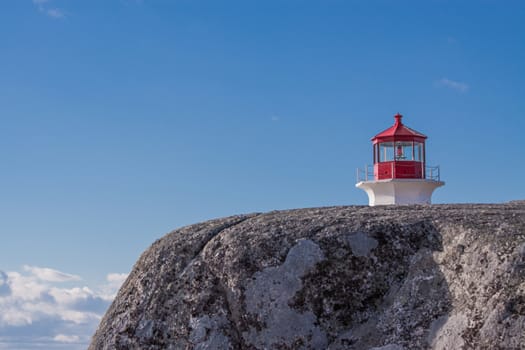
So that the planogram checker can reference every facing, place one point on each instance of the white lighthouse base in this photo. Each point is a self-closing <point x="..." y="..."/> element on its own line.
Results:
<point x="399" y="191"/>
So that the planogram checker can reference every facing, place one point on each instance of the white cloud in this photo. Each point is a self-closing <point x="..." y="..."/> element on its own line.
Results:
<point x="62" y="338"/>
<point x="70" y="296"/>
<point x="452" y="84"/>
<point x="50" y="275"/>
<point x="43" y="6"/>
<point x="24" y="287"/>
<point x="36" y="308"/>
<point x="116" y="278"/>
<point x="4" y="287"/>
<point x="55" y="13"/>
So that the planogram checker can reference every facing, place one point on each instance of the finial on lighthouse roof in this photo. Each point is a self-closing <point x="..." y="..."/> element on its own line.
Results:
<point x="398" y="118"/>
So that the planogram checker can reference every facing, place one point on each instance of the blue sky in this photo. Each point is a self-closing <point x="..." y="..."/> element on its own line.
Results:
<point x="121" y="120"/>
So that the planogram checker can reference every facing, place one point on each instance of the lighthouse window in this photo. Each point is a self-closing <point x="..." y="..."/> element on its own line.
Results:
<point x="386" y="151"/>
<point x="404" y="150"/>
<point x="399" y="151"/>
<point x="418" y="151"/>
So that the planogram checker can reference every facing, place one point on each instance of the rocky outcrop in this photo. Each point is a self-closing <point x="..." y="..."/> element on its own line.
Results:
<point x="389" y="278"/>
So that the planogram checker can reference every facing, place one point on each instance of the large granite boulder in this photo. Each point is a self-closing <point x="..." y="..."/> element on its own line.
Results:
<point x="389" y="278"/>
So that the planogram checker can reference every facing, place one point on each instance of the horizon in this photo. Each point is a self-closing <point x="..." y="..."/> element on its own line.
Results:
<point x="124" y="120"/>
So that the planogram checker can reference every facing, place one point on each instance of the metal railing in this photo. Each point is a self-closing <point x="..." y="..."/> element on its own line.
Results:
<point x="367" y="173"/>
<point x="432" y="173"/>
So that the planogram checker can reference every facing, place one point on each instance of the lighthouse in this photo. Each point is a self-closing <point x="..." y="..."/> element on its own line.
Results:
<point x="399" y="174"/>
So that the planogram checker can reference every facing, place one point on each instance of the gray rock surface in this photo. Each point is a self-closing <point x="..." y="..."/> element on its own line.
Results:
<point x="383" y="278"/>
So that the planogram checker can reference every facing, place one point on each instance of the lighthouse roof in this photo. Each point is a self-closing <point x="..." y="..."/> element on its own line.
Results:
<point x="399" y="132"/>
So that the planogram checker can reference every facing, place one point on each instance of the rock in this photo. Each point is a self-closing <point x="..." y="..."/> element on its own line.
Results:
<point x="381" y="278"/>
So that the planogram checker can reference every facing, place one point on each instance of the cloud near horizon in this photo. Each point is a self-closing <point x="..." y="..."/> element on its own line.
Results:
<point x="50" y="275"/>
<point x="37" y="310"/>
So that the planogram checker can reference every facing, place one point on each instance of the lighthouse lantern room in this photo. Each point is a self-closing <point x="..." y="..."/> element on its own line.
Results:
<point x="399" y="174"/>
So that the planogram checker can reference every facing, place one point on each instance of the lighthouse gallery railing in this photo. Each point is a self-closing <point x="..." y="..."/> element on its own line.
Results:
<point x="367" y="173"/>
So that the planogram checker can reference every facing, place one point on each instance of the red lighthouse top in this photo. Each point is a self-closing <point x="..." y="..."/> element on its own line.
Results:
<point x="399" y="132"/>
<point x="399" y="152"/>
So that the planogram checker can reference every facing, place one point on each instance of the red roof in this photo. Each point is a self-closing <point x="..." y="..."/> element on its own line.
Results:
<point x="399" y="132"/>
